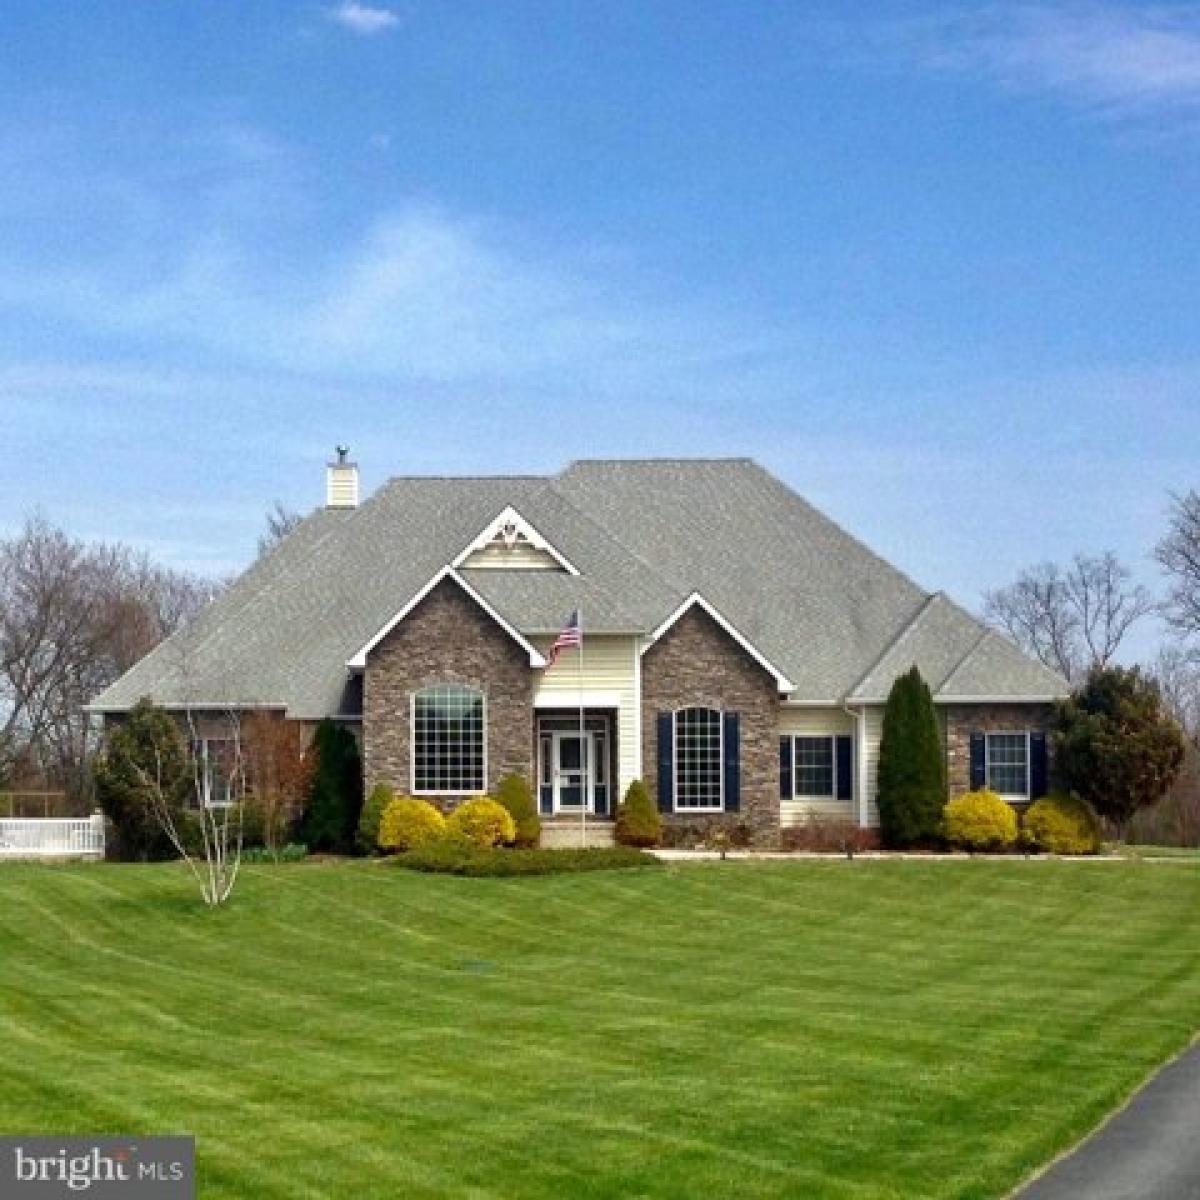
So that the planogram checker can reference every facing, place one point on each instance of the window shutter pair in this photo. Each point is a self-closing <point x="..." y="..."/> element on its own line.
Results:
<point x="843" y="748"/>
<point x="1038" y="763"/>
<point x="732" y="762"/>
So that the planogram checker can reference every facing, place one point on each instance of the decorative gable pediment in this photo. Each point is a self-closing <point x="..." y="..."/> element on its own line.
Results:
<point x="511" y="543"/>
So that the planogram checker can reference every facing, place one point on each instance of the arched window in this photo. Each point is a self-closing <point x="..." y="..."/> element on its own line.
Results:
<point x="449" y="739"/>
<point x="698" y="759"/>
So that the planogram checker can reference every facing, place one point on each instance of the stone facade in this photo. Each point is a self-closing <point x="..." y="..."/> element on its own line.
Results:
<point x="696" y="663"/>
<point x="964" y="719"/>
<point x="447" y="638"/>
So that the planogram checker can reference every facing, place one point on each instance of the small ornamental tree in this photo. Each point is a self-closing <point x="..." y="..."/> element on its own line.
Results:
<point x="145" y="762"/>
<point x="279" y="771"/>
<point x="638" y="820"/>
<point x="912" y="782"/>
<point x="335" y="799"/>
<point x="1115" y="745"/>
<point x="515" y="794"/>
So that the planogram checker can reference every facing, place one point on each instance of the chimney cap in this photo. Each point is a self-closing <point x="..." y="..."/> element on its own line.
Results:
<point x="342" y="452"/>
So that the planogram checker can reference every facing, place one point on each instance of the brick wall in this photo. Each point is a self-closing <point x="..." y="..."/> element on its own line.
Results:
<point x="696" y="663"/>
<point x="964" y="719"/>
<point x="447" y="638"/>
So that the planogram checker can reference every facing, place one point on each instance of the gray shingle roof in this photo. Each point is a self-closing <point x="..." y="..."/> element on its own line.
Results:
<point x="995" y="668"/>
<point x="644" y="535"/>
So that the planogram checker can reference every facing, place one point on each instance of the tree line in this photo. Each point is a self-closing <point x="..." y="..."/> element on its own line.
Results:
<point x="74" y="617"/>
<point x="1075" y="618"/>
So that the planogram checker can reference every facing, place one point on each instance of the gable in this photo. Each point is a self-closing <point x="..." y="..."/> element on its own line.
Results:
<point x="697" y="628"/>
<point x="445" y="577"/>
<point x="510" y="543"/>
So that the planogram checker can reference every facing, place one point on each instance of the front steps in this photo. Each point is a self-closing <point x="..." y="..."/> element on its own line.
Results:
<point x="561" y="833"/>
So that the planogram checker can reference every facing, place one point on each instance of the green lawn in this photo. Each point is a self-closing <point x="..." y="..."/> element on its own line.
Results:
<point x="808" y="1029"/>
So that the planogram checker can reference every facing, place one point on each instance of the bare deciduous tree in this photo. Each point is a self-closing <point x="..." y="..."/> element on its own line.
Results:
<point x="280" y="522"/>
<point x="1070" y="618"/>
<point x="1177" y="671"/>
<point x="73" y="617"/>
<point x="1179" y="555"/>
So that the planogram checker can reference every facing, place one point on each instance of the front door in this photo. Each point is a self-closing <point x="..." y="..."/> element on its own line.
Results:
<point x="570" y="774"/>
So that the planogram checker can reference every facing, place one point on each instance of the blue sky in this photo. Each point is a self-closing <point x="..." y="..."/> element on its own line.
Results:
<point x="935" y="265"/>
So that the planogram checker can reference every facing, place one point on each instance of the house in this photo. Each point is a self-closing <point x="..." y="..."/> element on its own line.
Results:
<point x="738" y="646"/>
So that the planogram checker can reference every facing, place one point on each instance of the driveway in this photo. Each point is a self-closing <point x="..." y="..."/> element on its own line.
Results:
<point x="1148" y="1151"/>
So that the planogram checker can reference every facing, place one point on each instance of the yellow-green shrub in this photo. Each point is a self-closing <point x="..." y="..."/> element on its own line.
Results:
<point x="483" y="822"/>
<point x="980" y="821"/>
<point x="408" y="824"/>
<point x="1062" y="824"/>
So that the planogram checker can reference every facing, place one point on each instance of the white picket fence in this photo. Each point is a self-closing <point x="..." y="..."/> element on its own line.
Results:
<point x="52" y="837"/>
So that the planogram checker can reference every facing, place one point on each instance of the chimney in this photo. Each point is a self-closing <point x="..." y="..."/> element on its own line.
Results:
<point x="341" y="481"/>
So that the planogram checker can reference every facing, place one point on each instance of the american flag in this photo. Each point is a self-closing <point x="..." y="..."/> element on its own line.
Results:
<point x="572" y="635"/>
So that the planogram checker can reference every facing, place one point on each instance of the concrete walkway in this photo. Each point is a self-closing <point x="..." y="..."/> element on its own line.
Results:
<point x="1149" y="1151"/>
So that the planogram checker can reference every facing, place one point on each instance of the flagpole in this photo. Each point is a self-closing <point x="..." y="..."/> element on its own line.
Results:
<point x="585" y="756"/>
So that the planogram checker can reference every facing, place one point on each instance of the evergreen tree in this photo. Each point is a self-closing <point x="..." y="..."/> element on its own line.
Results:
<point x="1115" y="745"/>
<point x="638" y="820"/>
<point x="516" y="795"/>
<point x="145" y="751"/>
<point x="912" y="779"/>
<point x="335" y="801"/>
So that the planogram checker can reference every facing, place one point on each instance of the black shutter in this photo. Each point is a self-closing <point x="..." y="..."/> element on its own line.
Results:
<point x="666" y="762"/>
<point x="733" y="761"/>
<point x="978" y="762"/>
<point x="845" y="767"/>
<point x="1037" y="764"/>
<point x="785" y="768"/>
<point x="546" y="799"/>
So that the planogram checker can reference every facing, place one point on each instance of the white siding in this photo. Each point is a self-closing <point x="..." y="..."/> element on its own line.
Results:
<point x="874" y="733"/>
<point x="814" y="722"/>
<point x="609" y="673"/>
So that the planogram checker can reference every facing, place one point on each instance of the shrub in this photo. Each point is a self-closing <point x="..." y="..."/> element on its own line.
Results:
<point x="912" y="784"/>
<point x="407" y="824"/>
<point x="447" y="857"/>
<point x="638" y="820"/>
<point x="482" y="822"/>
<point x="292" y="852"/>
<point x="829" y="835"/>
<point x="367" y="837"/>
<point x="1062" y="823"/>
<point x="515" y="795"/>
<point x="702" y="834"/>
<point x="331" y="818"/>
<point x="980" y="821"/>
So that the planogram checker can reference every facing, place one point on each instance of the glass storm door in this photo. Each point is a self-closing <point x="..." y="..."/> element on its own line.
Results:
<point x="569" y="772"/>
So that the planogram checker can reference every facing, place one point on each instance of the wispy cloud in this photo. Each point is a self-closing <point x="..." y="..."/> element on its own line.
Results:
<point x="1114" y="60"/>
<point x="364" y="19"/>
